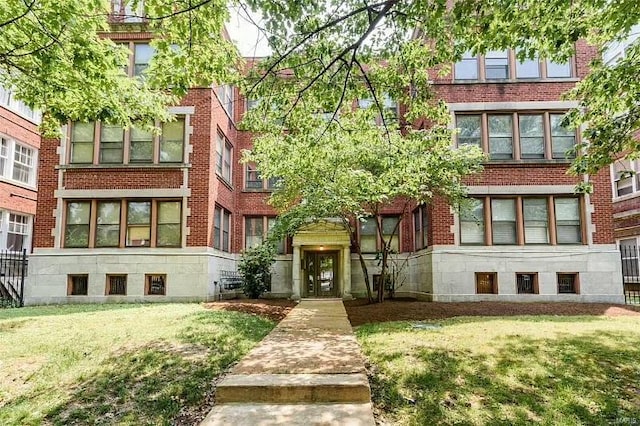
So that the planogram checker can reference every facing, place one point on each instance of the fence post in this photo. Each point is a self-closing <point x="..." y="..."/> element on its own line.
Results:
<point x="22" y="276"/>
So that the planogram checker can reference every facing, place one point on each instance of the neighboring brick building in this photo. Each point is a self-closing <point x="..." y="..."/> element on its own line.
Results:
<point x="19" y="144"/>
<point x="127" y="216"/>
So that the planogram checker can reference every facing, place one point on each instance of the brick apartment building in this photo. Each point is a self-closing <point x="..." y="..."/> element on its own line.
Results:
<point x="19" y="145"/>
<point x="127" y="216"/>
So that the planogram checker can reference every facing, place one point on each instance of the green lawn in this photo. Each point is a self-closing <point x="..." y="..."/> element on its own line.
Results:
<point x="517" y="370"/>
<point x="117" y="364"/>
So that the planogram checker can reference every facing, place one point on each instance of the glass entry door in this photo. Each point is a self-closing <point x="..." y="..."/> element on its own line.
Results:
<point x="321" y="273"/>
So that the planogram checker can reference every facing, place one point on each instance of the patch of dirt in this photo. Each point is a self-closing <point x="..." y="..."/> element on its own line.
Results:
<point x="361" y="312"/>
<point x="274" y="309"/>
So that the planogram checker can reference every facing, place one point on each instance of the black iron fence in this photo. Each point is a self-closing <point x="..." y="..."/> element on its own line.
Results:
<point x="13" y="271"/>
<point x="630" y="274"/>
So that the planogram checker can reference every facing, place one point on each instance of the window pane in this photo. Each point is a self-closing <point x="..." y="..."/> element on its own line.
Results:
<point x="142" y="56"/>
<point x="253" y="231"/>
<point x="169" y="235"/>
<point x="226" y="227"/>
<point x="503" y="217"/>
<point x="388" y="227"/>
<point x="563" y="139"/>
<point x="568" y="220"/>
<point x="555" y="70"/>
<point x="496" y="64"/>
<point x="111" y="143"/>
<point x="470" y="129"/>
<point x="139" y="223"/>
<point x="77" y="224"/>
<point x="500" y="136"/>
<point x="82" y="142"/>
<point x="217" y="227"/>
<point x="368" y="235"/>
<point x="141" y="146"/>
<point x="169" y="224"/>
<point x="108" y="227"/>
<point x="169" y="212"/>
<point x="531" y="136"/>
<point x="536" y="221"/>
<point x="466" y="68"/>
<point x="172" y="141"/>
<point x="528" y="69"/>
<point x="472" y="223"/>
<point x="82" y="132"/>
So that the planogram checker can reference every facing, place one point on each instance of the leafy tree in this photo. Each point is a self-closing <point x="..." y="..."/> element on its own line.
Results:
<point x="255" y="268"/>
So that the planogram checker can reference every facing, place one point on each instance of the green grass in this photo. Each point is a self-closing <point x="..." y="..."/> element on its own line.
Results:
<point x="116" y="364"/>
<point x="507" y="371"/>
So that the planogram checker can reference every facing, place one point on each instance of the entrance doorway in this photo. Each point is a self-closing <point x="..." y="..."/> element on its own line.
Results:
<point x="321" y="275"/>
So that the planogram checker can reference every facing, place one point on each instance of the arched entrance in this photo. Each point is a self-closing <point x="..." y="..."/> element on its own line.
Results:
<point x="322" y="261"/>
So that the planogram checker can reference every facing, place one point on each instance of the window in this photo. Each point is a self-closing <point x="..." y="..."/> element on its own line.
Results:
<point x="116" y="285"/>
<point x="225" y="94"/>
<point x="486" y="283"/>
<point x="556" y="70"/>
<point x="23" y="167"/>
<point x="138" y="224"/>
<point x="529" y="68"/>
<point x="467" y="67"/>
<point x="500" y="137"/>
<point x="140" y="146"/>
<point x="169" y="231"/>
<point x="4" y="156"/>
<point x="142" y="54"/>
<point x="496" y="65"/>
<point x="508" y="226"/>
<point x="172" y="142"/>
<point x="503" y="221"/>
<point x="224" y="158"/>
<point x="539" y="135"/>
<point x="368" y="235"/>
<point x="77" y="224"/>
<point x="391" y="231"/>
<point x="568" y="283"/>
<point x="221" y="229"/>
<point x="82" y="142"/>
<point x="623" y="177"/>
<point x="18" y="232"/>
<point x="536" y="220"/>
<point x="531" y="136"/>
<point x="108" y="224"/>
<point x="111" y="143"/>
<point x="568" y="227"/>
<point x="256" y="229"/>
<point x="629" y="256"/>
<point x="420" y="225"/>
<point x="77" y="285"/>
<point x="527" y="283"/>
<point x="123" y="11"/>
<point x="253" y="179"/>
<point x="472" y="223"/>
<point x="470" y="130"/>
<point x="563" y="139"/>
<point x="155" y="285"/>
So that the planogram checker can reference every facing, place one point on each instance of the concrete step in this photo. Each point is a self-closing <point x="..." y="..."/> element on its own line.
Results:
<point x="291" y="415"/>
<point x="294" y="388"/>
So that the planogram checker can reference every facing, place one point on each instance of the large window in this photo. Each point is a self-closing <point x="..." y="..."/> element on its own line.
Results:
<point x="256" y="229"/>
<point x="539" y="135"/>
<point x="369" y="239"/>
<point x="522" y="220"/>
<point x="123" y="223"/>
<point x="420" y="228"/>
<point x="222" y="229"/>
<point x="500" y="137"/>
<point x="140" y="145"/>
<point x="503" y="65"/>
<point x="224" y="156"/>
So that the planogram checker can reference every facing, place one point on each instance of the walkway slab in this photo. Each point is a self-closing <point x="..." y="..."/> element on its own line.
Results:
<point x="308" y="371"/>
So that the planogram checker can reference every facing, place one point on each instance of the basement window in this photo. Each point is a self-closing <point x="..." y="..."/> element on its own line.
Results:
<point x="568" y="283"/>
<point x="486" y="283"/>
<point x="77" y="285"/>
<point x="116" y="285"/>
<point x="155" y="285"/>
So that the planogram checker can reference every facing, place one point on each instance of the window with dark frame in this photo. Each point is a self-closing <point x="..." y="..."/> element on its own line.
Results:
<point x="82" y="140"/>
<point x="108" y="224"/>
<point x="470" y="130"/>
<point x="140" y="146"/>
<point x="527" y="283"/>
<point x="138" y="224"/>
<point x="472" y="229"/>
<point x="169" y="226"/>
<point x="221" y="229"/>
<point x="568" y="227"/>
<point x="496" y="65"/>
<point x="568" y="283"/>
<point x="536" y="220"/>
<point x="78" y="285"/>
<point x="500" y="136"/>
<point x="172" y="142"/>
<point x="420" y="236"/>
<point x="116" y="285"/>
<point x="503" y="221"/>
<point x="563" y="139"/>
<point x="111" y="144"/>
<point x="155" y="285"/>
<point x="531" y="136"/>
<point x="78" y="222"/>
<point x="256" y="229"/>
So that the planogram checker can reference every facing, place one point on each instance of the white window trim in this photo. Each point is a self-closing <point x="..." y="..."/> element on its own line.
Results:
<point x="7" y="176"/>
<point x="4" y="229"/>
<point x="19" y="107"/>
<point x="635" y="184"/>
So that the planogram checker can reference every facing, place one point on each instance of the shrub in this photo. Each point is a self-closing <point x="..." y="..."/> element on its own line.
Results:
<point x="255" y="268"/>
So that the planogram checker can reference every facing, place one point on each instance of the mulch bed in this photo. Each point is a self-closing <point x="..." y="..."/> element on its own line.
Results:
<point x="274" y="309"/>
<point x="360" y="312"/>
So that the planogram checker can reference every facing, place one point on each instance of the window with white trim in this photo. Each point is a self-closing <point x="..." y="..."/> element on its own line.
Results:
<point x="624" y="177"/>
<point x="225" y="95"/>
<point x="17" y="161"/>
<point x="15" y="231"/>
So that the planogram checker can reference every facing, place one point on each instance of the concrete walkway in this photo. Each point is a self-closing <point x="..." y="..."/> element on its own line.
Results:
<point x="308" y="371"/>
